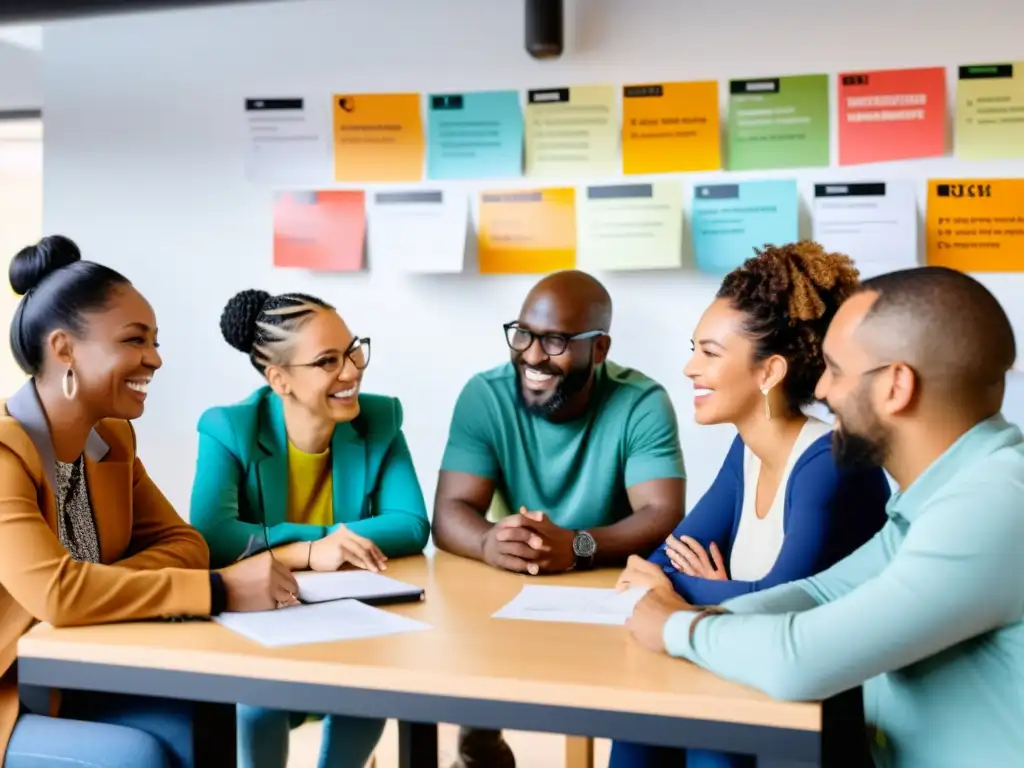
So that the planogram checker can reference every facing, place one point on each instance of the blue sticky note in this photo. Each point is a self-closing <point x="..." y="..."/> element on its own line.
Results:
<point x="474" y="135"/>
<point x="730" y="220"/>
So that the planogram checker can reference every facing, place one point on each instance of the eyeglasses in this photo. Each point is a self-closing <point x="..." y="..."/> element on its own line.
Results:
<point x="521" y="339"/>
<point x="358" y="353"/>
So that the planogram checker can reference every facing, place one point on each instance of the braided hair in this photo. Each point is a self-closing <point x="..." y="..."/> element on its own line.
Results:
<point x="262" y="325"/>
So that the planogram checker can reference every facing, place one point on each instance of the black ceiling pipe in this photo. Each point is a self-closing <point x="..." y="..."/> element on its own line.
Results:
<point x="31" y="11"/>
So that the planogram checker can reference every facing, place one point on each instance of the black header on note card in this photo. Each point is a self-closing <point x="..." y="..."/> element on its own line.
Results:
<point x="717" y="192"/>
<point x="449" y="101"/>
<point x="255" y="105"/>
<point x="619" y="191"/>
<point x="642" y="91"/>
<point x="985" y="71"/>
<point x="764" y="85"/>
<point x="549" y="96"/>
<point x="431" y="196"/>
<point x="862" y="189"/>
<point x="856" y="80"/>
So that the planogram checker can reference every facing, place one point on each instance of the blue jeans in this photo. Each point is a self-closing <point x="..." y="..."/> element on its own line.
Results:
<point x="628" y="755"/>
<point x="263" y="735"/>
<point x="104" y="731"/>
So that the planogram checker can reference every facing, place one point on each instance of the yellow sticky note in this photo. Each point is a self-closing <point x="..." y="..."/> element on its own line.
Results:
<point x="990" y="111"/>
<point x="572" y="132"/>
<point x="378" y="137"/>
<point x="976" y="225"/>
<point x="527" y="231"/>
<point x="670" y="128"/>
<point x="631" y="226"/>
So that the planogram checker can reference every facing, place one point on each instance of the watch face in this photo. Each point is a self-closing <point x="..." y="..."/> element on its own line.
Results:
<point x="584" y="545"/>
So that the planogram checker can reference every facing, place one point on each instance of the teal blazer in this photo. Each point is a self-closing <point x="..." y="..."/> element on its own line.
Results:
<point x="241" y="480"/>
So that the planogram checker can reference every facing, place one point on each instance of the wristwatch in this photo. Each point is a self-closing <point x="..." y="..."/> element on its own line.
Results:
<point x="584" y="547"/>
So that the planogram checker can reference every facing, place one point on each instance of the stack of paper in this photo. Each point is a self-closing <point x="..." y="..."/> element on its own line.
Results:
<point x="578" y="605"/>
<point x="322" y="623"/>
<point x="367" y="587"/>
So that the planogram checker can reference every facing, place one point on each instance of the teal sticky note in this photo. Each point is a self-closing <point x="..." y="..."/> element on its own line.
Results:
<point x="474" y="135"/>
<point x="730" y="220"/>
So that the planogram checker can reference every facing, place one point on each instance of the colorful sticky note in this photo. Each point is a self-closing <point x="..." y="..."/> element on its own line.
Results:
<point x="320" y="230"/>
<point x="778" y="122"/>
<point x="527" y="230"/>
<point x="632" y="226"/>
<point x="892" y="114"/>
<point x="670" y="128"/>
<point x="475" y="135"/>
<point x="874" y="223"/>
<point x="976" y="225"/>
<point x="731" y="220"/>
<point x="989" y="108"/>
<point x="378" y="137"/>
<point x="572" y="131"/>
<point x="419" y="230"/>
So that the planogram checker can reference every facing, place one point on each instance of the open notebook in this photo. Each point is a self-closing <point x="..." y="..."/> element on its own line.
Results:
<point x="366" y="587"/>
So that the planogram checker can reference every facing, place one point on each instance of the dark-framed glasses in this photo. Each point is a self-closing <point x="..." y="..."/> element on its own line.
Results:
<point x="358" y="352"/>
<point x="521" y="339"/>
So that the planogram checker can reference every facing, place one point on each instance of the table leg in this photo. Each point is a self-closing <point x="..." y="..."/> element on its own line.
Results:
<point x="417" y="745"/>
<point x="579" y="752"/>
<point x="214" y="740"/>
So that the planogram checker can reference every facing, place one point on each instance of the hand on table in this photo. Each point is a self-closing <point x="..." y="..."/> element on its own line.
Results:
<point x="645" y="574"/>
<point x="647" y="624"/>
<point x="529" y="543"/>
<point x="259" y="583"/>
<point x="342" y="546"/>
<point x="689" y="557"/>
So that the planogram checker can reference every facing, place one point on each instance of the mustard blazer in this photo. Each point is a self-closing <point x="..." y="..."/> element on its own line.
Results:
<point x="153" y="564"/>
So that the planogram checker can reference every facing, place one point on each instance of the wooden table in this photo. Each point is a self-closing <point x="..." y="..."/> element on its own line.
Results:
<point x="470" y="669"/>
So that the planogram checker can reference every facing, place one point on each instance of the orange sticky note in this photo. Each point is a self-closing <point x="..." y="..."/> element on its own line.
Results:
<point x="670" y="128"/>
<point x="320" y="230"/>
<point x="527" y="231"/>
<point x="378" y="137"/>
<point x="976" y="225"/>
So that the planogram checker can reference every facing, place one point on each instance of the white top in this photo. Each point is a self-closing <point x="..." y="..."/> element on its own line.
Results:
<point x="759" y="540"/>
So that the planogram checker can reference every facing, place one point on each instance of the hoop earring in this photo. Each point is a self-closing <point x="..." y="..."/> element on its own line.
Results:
<point x="70" y="385"/>
<point x="767" y="405"/>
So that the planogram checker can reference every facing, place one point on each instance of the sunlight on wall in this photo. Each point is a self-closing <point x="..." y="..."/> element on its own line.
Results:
<point x="21" y="221"/>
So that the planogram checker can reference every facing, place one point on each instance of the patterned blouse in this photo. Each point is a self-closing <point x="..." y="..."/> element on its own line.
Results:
<point x="76" y="526"/>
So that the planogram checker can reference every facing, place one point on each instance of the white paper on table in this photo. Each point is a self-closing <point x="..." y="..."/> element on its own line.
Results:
<point x="319" y="623"/>
<point x="873" y="223"/>
<point x="320" y="587"/>
<point x="577" y="605"/>
<point x="419" y="230"/>
<point x="288" y="140"/>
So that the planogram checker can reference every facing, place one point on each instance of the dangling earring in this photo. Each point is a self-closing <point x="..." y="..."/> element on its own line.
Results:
<point x="70" y="385"/>
<point x="767" y="405"/>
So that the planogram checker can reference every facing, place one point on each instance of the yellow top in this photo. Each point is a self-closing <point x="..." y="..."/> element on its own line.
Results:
<point x="303" y="472"/>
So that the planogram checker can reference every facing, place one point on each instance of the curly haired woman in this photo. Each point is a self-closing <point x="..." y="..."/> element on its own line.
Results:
<point x="780" y="509"/>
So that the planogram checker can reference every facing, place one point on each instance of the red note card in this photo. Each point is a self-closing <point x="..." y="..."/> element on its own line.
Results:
<point x="320" y="230"/>
<point x="895" y="114"/>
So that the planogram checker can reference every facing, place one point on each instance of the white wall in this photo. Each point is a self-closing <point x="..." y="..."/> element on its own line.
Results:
<point x="144" y="169"/>
<point x="21" y="73"/>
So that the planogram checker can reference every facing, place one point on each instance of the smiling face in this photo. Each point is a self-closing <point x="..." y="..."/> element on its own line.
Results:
<point x="726" y="379"/>
<point x="324" y="369"/>
<point x="115" y="356"/>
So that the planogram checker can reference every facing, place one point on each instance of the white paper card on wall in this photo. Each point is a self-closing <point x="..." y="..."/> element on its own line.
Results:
<point x="288" y="140"/>
<point x="874" y="223"/>
<point x="421" y="230"/>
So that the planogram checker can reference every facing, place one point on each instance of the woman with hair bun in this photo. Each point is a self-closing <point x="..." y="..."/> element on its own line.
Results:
<point x="310" y="468"/>
<point x="780" y="508"/>
<point x="85" y="535"/>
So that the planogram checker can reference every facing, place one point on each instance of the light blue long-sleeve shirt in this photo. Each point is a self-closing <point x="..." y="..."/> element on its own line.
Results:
<point x="928" y="615"/>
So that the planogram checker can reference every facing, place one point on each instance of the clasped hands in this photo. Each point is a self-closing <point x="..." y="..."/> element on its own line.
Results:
<point x="341" y="546"/>
<point x="529" y="543"/>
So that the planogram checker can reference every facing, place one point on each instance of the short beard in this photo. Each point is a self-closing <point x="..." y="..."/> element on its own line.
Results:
<point x="574" y="382"/>
<point x="852" y="451"/>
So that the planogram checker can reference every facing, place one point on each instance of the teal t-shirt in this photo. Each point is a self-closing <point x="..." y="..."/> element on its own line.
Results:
<point x="576" y="472"/>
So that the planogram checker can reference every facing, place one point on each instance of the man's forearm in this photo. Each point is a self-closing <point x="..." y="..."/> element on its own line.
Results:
<point x="639" y="534"/>
<point x="459" y="528"/>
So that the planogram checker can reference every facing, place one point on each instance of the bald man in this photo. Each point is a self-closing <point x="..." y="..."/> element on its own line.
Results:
<point x="928" y="615"/>
<point x="585" y="453"/>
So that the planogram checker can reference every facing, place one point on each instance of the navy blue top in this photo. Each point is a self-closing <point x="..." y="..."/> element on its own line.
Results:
<point x="828" y="513"/>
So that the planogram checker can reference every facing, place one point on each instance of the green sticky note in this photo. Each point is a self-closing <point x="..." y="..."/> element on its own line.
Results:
<point x="778" y="122"/>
